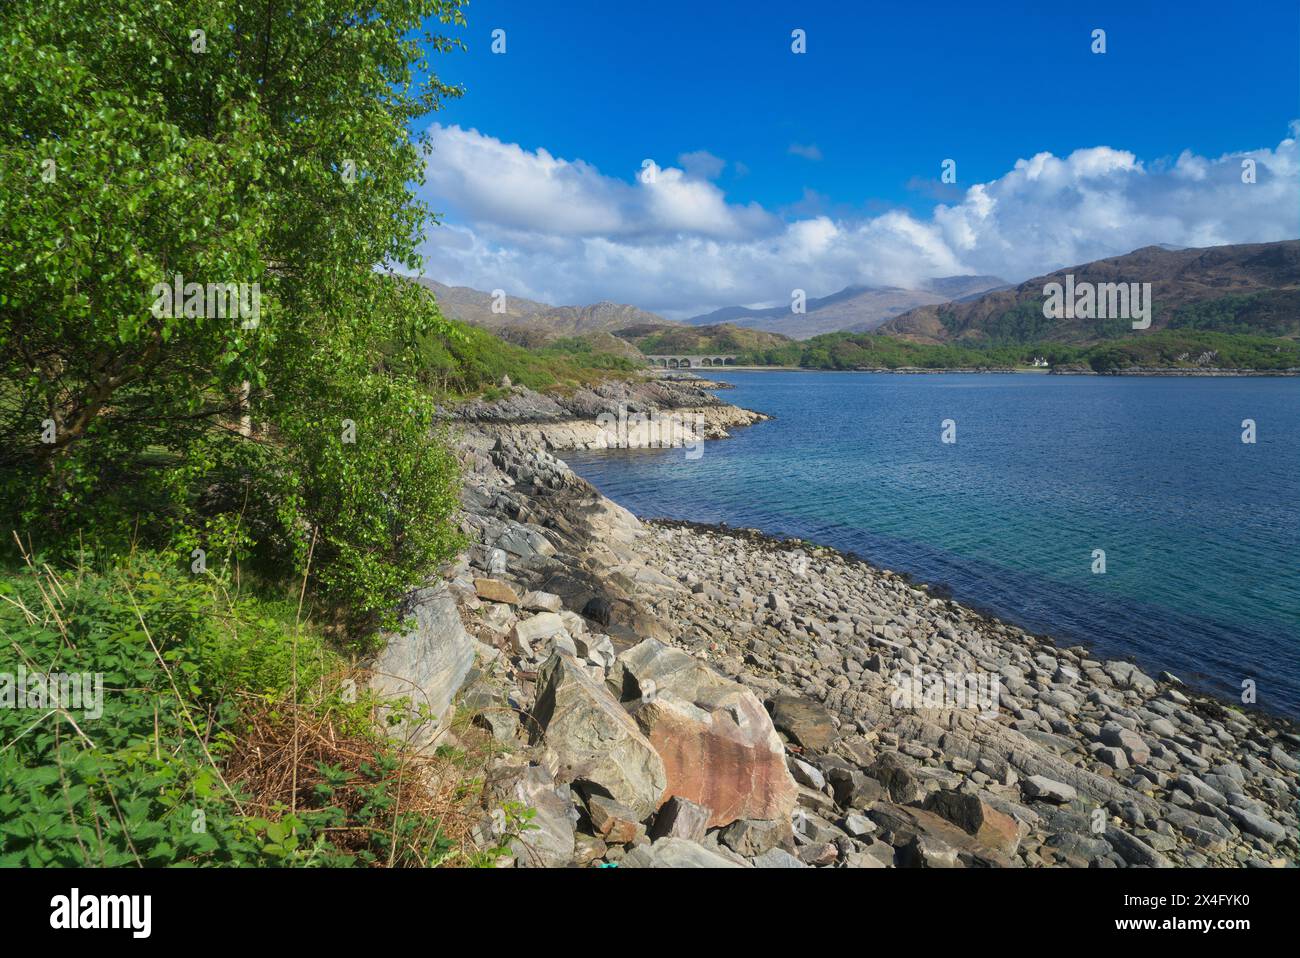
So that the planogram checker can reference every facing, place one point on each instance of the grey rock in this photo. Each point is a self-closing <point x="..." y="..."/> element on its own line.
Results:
<point x="595" y="740"/>
<point x="1047" y="790"/>
<point x="552" y="843"/>
<point x="1258" y="825"/>
<point x="681" y="818"/>
<point x="1133" y="850"/>
<point x="750" y="837"/>
<point x="425" y="666"/>
<point x="675" y="853"/>
<point x="777" y="858"/>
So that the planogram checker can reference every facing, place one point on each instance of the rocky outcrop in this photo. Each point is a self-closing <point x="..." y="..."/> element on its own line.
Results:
<point x="629" y="414"/>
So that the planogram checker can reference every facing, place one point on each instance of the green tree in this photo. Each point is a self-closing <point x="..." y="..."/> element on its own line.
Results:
<point x="222" y="142"/>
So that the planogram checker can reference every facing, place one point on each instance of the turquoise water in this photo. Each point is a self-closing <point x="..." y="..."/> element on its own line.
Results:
<point x="1201" y="532"/>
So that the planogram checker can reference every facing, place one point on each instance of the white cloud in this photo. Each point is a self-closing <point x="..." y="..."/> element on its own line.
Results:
<point x="809" y="151"/>
<point x="563" y="232"/>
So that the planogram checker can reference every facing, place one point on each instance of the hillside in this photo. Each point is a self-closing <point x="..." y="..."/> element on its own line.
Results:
<point x="855" y="308"/>
<point x="720" y="338"/>
<point x="1250" y="288"/>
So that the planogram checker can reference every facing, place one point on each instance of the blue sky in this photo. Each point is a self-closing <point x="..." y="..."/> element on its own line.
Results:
<point x="851" y="133"/>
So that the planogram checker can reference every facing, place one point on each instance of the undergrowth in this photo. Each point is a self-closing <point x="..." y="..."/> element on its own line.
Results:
<point x="225" y="731"/>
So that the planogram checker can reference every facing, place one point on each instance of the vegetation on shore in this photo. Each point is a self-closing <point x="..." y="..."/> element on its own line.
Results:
<point x="1170" y="349"/>
<point x="215" y="510"/>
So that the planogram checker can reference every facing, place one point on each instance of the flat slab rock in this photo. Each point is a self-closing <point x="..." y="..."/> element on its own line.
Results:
<point x="808" y="724"/>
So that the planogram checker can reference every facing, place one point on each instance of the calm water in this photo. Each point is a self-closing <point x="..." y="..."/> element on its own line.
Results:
<point x="1201" y="531"/>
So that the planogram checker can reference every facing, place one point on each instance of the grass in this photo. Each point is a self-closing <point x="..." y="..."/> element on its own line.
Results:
<point x="228" y="733"/>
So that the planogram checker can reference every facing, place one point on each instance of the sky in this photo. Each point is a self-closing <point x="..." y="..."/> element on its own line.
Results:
<point x="682" y="156"/>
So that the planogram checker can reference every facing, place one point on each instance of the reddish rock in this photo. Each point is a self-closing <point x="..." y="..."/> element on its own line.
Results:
<point x="716" y="740"/>
<point x="613" y="822"/>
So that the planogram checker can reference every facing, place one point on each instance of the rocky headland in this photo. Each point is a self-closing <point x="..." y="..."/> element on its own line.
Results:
<point x="664" y="694"/>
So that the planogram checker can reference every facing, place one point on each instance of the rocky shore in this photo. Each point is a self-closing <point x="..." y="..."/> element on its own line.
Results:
<point x="1074" y="370"/>
<point x="628" y="412"/>
<point x="664" y="695"/>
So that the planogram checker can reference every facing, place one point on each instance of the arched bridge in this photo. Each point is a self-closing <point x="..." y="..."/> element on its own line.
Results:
<point x="688" y="362"/>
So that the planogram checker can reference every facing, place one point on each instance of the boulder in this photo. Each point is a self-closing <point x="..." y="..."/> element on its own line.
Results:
<point x="1135" y="749"/>
<point x="1135" y="851"/>
<point x="551" y="843"/>
<point x="541" y="602"/>
<point x="1196" y="788"/>
<point x="777" y="858"/>
<point x="1126" y="675"/>
<point x="853" y="789"/>
<point x="544" y="625"/>
<point x="897" y="774"/>
<point x="494" y="590"/>
<point x="750" y="837"/>
<point x="900" y="825"/>
<point x="977" y="818"/>
<point x="426" y="665"/>
<point x="1258" y="825"/>
<point x="1037" y="786"/>
<point x="807" y="723"/>
<point x="927" y="851"/>
<point x="597" y="743"/>
<point x="612" y="821"/>
<point x="681" y="818"/>
<point x="715" y="738"/>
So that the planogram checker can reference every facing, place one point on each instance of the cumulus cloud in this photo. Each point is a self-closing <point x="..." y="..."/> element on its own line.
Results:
<point x="561" y="231"/>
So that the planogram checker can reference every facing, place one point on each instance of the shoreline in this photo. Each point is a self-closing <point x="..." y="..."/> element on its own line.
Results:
<point x="944" y="593"/>
<point x="1008" y="750"/>
<point x="1154" y="372"/>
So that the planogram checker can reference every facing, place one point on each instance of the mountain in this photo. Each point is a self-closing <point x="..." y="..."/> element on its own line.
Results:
<point x="474" y="306"/>
<point x="855" y="308"/>
<point x="1248" y="288"/>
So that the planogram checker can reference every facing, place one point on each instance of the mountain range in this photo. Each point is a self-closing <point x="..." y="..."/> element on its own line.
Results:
<point x="1246" y="288"/>
<point x="852" y="309"/>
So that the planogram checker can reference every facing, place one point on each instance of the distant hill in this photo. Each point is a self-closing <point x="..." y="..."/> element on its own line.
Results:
<point x="719" y="338"/>
<point x="1248" y="288"/>
<point x="854" y="308"/>
<point x="531" y="337"/>
<point x="474" y="306"/>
